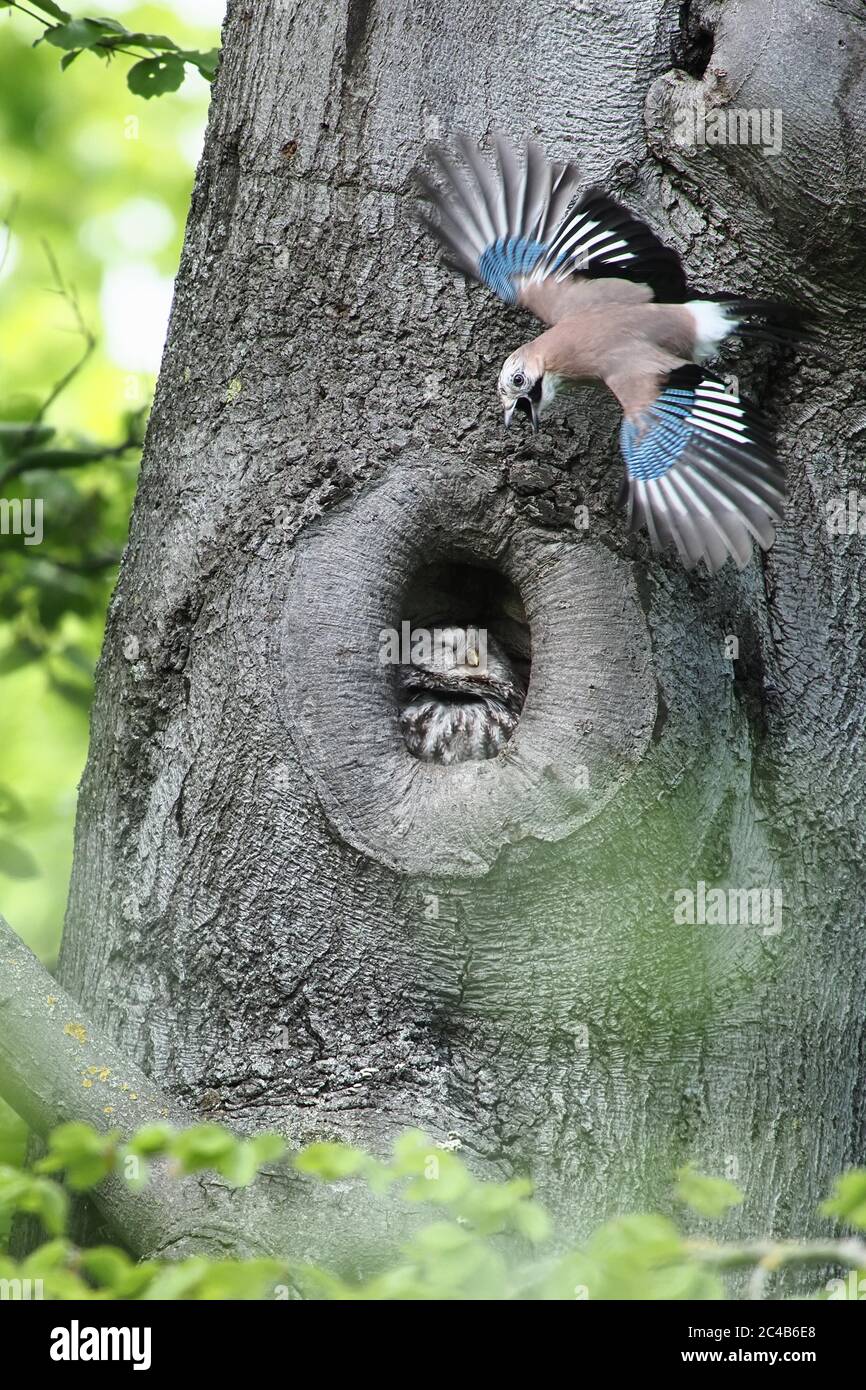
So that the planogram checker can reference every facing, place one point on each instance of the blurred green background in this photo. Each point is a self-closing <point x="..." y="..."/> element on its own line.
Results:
<point x="94" y="189"/>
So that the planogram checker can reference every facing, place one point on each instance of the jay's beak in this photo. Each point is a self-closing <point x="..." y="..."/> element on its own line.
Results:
<point x="508" y="413"/>
<point x="527" y="405"/>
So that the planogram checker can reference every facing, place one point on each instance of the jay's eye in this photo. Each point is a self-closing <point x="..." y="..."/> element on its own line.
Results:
<point x="518" y="380"/>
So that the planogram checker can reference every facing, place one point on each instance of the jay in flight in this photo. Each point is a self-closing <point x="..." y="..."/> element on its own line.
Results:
<point x="701" y="471"/>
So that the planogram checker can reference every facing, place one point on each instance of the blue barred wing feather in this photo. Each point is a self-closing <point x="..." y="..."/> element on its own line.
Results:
<point x="702" y="472"/>
<point x="521" y="222"/>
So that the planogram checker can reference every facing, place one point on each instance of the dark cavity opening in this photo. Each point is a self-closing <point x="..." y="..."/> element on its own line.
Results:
<point x="692" y="43"/>
<point x="461" y="653"/>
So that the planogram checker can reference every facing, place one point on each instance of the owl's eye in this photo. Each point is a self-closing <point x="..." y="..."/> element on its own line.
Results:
<point x="519" y="380"/>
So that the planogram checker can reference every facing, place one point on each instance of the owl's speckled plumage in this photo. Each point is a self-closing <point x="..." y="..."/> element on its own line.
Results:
<point x="453" y="711"/>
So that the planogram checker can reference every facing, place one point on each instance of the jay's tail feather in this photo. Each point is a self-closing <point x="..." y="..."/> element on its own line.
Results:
<point x="721" y="316"/>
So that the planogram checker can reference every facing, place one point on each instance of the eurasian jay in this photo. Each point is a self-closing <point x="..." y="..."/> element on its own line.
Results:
<point x="701" y="470"/>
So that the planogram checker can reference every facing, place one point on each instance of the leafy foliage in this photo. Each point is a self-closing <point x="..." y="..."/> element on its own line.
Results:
<point x="69" y="570"/>
<point x="162" y="71"/>
<point x="848" y="1200"/>
<point x="486" y="1240"/>
<point x="709" y="1197"/>
<point x="94" y="188"/>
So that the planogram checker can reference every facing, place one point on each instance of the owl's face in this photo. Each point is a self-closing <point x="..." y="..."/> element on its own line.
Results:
<point x="461" y="704"/>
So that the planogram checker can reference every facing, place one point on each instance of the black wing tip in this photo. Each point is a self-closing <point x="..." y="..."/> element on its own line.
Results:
<point x="661" y="265"/>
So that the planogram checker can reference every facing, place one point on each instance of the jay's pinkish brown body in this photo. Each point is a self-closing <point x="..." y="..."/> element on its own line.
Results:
<point x="628" y="347"/>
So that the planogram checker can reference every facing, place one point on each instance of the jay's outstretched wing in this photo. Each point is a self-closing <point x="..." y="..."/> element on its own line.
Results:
<point x="529" y="234"/>
<point x="701" y="471"/>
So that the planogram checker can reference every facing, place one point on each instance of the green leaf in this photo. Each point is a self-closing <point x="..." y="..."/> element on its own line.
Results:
<point x="268" y="1148"/>
<point x="57" y="592"/>
<point x="51" y="1204"/>
<point x="176" y="1281"/>
<point x="52" y="1254"/>
<point x="11" y="807"/>
<point x="645" y="1238"/>
<point x="37" y="1196"/>
<point x="442" y="1238"/>
<point x="707" y="1196"/>
<point x="110" y="23"/>
<point x="848" y="1199"/>
<point x="14" y="433"/>
<point x="30" y="460"/>
<point x="84" y="1155"/>
<point x="240" y="1279"/>
<point x="106" y="1265"/>
<point x="146" y="41"/>
<point x="532" y="1221"/>
<point x="21" y="653"/>
<point x="207" y="62"/>
<point x="202" y="1146"/>
<point x="78" y="658"/>
<point x="69" y="58"/>
<point x="444" y="1182"/>
<point x="153" y="77"/>
<point x="136" y="1279"/>
<point x="239" y="1167"/>
<point x="412" y="1149"/>
<point x="330" y="1162"/>
<point x="77" y="33"/>
<point x="49" y="7"/>
<point x="242" y="1164"/>
<point x="151" y="1139"/>
<point x="17" y="862"/>
<point x="77" y="695"/>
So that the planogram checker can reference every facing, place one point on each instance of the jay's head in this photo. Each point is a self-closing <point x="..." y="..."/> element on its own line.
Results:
<point x="524" y="386"/>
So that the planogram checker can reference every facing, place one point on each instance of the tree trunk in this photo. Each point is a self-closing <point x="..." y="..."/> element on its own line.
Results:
<point x="287" y="919"/>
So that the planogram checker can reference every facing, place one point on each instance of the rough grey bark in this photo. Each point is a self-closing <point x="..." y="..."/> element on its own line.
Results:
<point x="286" y="920"/>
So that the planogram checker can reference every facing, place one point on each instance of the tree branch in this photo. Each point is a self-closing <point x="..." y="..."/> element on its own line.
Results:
<point x="56" y="1065"/>
<point x="772" y="1254"/>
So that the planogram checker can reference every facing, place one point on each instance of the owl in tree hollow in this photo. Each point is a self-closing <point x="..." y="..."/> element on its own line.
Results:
<point x="462" y="699"/>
